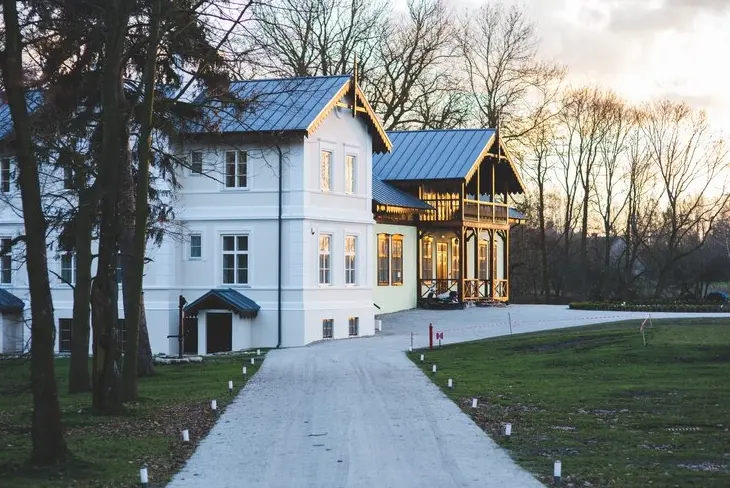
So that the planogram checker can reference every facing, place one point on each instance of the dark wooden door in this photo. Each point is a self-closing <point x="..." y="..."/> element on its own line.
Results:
<point x="219" y="332"/>
<point x="190" y="343"/>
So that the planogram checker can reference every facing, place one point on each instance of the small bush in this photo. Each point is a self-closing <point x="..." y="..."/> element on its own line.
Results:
<point x="648" y="307"/>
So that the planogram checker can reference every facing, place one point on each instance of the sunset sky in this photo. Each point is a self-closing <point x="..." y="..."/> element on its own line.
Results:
<point x="643" y="49"/>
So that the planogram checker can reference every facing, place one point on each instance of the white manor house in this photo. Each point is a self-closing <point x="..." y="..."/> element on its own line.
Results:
<point x="302" y="220"/>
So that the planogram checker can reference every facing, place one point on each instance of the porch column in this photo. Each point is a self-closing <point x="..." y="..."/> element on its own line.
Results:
<point x="2" y="332"/>
<point x="493" y="262"/>
<point x="202" y="332"/>
<point x="419" y="236"/>
<point x="462" y="263"/>
<point x="506" y="264"/>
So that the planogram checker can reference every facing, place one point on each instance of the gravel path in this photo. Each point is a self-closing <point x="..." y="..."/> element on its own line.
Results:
<point x="358" y="413"/>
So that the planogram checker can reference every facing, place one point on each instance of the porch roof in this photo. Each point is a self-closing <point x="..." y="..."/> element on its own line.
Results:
<point x="386" y="194"/>
<point x="226" y="298"/>
<point x="9" y="303"/>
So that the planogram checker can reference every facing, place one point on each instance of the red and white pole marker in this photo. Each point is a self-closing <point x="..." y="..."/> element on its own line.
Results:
<point x="186" y="435"/>
<point x="430" y="336"/>
<point x="557" y="472"/>
<point x="451" y="383"/>
<point x="230" y="386"/>
<point x="473" y="403"/>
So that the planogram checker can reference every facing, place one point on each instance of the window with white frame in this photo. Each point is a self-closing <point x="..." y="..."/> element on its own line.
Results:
<point x="350" y="259"/>
<point x="325" y="171"/>
<point x="350" y="174"/>
<point x="328" y="326"/>
<point x="6" y="261"/>
<point x="196" y="246"/>
<point x="196" y="163"/>
<point x="235" y="260"/>
<point x="4" y="175"/>
<point x="354" y="326"/>
<point x="325" y="259"/>
<point x="396" y="259"/>
<point x="236" y="169"/>
<point x="383" y="259"/>
<point x="68" y="267"/>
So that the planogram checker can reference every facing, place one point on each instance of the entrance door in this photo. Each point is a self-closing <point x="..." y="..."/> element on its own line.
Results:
<point x="219" y="332"/>
<point x="190" y="333"/>
<point x="442" y="261"/>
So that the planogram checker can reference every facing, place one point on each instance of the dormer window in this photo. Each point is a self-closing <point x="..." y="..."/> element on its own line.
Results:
<point x="236" y="169"/>
<point x="4" y="175"/>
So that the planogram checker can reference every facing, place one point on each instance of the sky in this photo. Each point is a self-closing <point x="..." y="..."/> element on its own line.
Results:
<point x="642" y="49"/>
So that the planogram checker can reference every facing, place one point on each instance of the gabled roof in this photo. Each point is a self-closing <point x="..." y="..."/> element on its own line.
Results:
<point x="436" y="155"/>
<point x="285" y="104"/>
<point x="9" y="303"/>
<point x="33" y="100"/>
<point x="226" y="298"/>
<point x="386" y="194"/>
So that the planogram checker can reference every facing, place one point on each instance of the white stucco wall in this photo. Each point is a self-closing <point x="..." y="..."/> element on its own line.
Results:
<point x="400" y="297"/>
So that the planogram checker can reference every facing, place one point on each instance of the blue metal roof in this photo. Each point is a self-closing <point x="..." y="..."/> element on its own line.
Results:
<point x="431" y="154"/>
<point x="224" y="298"/>
<point x="516" y="214"/>
<point x="9" y="303"/>
<point x="33" y="99"/>
<point x="386" y="194"/>
<point x="272" y="105"/>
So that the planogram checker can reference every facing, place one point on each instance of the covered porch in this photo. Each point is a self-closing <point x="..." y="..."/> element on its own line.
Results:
<point x="463" y="265"/>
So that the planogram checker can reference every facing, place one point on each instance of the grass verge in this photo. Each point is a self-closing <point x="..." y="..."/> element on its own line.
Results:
<point x="613" y="411"/>
<point x="108" y="451"/>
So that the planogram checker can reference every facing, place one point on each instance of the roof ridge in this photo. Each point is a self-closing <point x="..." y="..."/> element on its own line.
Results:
<point x="443" y="130"/>
<point x="286" y="78"/>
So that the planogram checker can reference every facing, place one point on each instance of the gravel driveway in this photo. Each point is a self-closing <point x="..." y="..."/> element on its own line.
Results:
<point x="358" y="413"/>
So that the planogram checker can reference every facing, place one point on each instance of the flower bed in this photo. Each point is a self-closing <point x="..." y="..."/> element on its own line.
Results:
<point x="663" y="307"/>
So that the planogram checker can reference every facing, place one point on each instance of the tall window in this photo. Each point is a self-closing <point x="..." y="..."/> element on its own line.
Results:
<point x="64" y="335"/>
<point x="68" y="178"/>
<point x="68" y="267"/>
<point x="120" y="274"/>
<point x="235" y="260"/>
<point x="328" y="326"/>
<point x="325" y="259"/>
<point x="4" y="175"/>
<point x="196" y="246"/>
<point x="483" y="261"/>
<point x="350" y="174"/>
<point x="354" y="326"/>
<point x="455" y="259"/>
<point x="122" y="331"/>
<point x="325" y="171"/>
<point x="6" y="261"/>
<point x="196" y="162"/>
<point x="396" y="260"/>
<point x="383" y="259"/>
<point x="350" y="259"/>
<point x="427" y="258"/>
<point x="236" y="169"/>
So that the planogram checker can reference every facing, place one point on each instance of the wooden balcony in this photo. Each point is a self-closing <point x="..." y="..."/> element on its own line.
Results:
<point x="474" y="289"/>
<point x="450" y="209"/>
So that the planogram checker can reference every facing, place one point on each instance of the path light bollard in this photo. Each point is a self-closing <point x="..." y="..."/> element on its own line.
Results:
<point x="507" y="430"/>
<point x="186" y="435"/>
<point x="433" y="369"/>
<point x="473" y="403"/>
<point x="557" y="468"/>
<point x="253" y="361"/>
<point x="230" y="386"/>
<point x="143" y="478"/>
<point x="244" y="371"/>
<point x="422" y="357"/>
<point x="451" y="383"/>
<point x="258" y="352"/>
<point x="213" y="405"/>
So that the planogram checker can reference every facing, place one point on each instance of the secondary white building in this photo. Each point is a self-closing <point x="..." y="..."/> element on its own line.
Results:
<point x="285" y="235"/>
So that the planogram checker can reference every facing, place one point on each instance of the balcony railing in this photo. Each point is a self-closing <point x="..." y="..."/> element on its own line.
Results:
<point x="474" y="289"/>
<point x="445" y="209"/>
<point x="430" y="288"/>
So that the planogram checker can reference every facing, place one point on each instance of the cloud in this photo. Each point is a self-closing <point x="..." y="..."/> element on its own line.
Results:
<point x="641" y="15"/>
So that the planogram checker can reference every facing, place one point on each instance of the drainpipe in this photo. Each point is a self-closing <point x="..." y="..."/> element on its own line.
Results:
<point x="281" y="178"/>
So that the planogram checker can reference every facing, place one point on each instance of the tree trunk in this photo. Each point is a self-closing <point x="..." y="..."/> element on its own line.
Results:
<point x="107" y="397"/>
<point x="46" y="428"/>
<point x="79" y="379"/>
<point x="145" y="366"/>
<point x="543" y="243"/>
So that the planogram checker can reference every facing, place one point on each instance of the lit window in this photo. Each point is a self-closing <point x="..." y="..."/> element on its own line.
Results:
<point x="64" y="335"/>
<point x="4" y="175"/>
<point x="196" y="246"/>
<point x="483" y="261"/>
<point x="196" y="163"/>
<point x="350" y="174"/>
<point x="6" y="261"/>
<point x="455" y="259"/>
<point x="325" y="171"/>
<point x="325" y="242"/>
<point x="236" y="169"/>
<point x="427" y="258"/>
<point x="383" y="259"/>
<point x="350" y="259"/>
<point x="354" y="326"/>
<point x="235" y="260"/>
<point x="328" y="328"/>
<point x="396" y="260"/>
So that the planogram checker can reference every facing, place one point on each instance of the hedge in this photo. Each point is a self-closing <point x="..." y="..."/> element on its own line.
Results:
<point x="634" y="307"/>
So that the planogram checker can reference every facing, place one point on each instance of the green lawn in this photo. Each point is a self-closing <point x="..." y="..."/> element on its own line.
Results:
<point x="108" y="451"/>
<point x="615" y="412"/>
